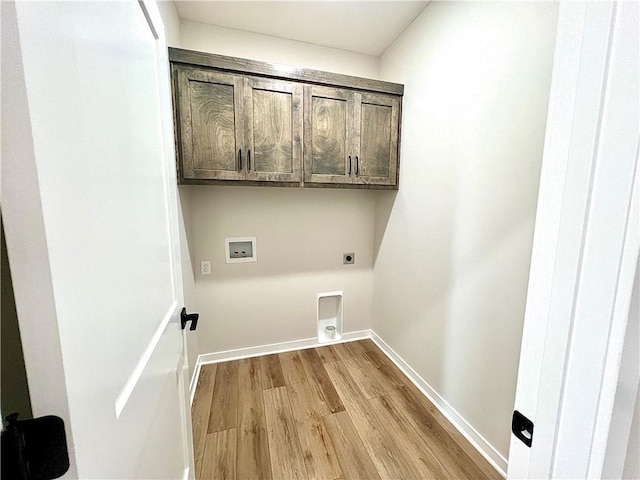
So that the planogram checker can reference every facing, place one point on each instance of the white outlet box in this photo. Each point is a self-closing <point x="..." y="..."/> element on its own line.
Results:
<point x="205" y="267"/>
<point x="240" y="249"/>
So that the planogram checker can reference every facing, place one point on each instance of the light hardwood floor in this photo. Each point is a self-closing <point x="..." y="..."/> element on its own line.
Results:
<point x="336" y="412"/>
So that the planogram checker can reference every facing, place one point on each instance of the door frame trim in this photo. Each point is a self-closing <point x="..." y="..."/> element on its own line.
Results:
<point x="578" y="180"/>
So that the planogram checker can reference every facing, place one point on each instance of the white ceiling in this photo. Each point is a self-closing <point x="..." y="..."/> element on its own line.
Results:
<point x="358" y="26"/>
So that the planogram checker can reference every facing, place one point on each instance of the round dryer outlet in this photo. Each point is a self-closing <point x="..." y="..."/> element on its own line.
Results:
<point x="348" y="258"/>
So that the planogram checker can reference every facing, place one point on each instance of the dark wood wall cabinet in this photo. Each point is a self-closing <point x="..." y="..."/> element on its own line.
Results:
<point x="244" y="122"/>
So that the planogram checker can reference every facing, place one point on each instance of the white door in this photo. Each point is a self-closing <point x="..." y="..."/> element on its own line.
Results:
<point x="585" y="245"/>
<point x="89" y="199"/>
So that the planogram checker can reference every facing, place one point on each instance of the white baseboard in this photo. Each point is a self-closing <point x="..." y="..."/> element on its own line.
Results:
<point x="471" y="434"/>
<point x="475" y="438"/>
<point x="248" y="352"/>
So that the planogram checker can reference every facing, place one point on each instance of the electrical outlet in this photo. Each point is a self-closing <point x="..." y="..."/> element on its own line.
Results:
<point x="348" y="258"/>
<point x="205" y="267"/>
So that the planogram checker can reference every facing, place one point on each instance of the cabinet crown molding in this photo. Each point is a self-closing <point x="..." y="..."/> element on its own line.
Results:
<point x="284" y="72"/>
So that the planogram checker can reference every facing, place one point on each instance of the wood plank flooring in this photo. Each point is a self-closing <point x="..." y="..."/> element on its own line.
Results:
<point x="337" y="412"/>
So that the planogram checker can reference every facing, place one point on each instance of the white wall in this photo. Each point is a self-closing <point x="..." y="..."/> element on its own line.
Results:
<point x="453" y="246"/>
<point x="171" y="22"/>
<point x="238" y="43"/>
<point x="301" y="233"/>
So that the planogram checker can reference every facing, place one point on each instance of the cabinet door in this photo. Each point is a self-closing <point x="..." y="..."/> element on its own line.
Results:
<point x="328" y="138"/>
<point x="273" y="130"/>
<point x="376" y="123"/>
<point x="210" y="113"/>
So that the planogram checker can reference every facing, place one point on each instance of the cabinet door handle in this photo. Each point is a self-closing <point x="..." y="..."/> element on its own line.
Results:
<point x="240" y="160"/>
<point x="249" y="160"/>
<point x="349" y="164"/>
<point x="357" y="166"/>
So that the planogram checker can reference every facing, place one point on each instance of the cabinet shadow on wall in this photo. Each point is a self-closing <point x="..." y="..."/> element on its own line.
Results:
<point x="298" y="231"/>
<point x="384" y="206"/>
